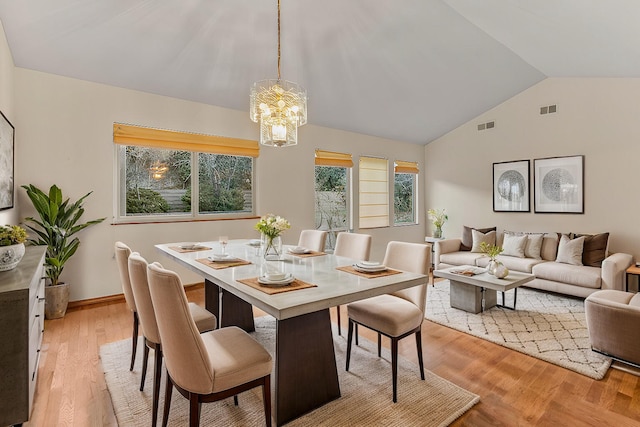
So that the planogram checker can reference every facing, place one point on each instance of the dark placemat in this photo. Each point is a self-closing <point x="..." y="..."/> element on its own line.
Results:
<point x="219" y="265"/>
<point x="293" y="286"/>
<point x="183" y="251"/>
<point x="307" y="255"/>
<point x="372" y="275"/>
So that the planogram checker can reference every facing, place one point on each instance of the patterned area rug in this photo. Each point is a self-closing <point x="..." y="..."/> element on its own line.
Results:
<point x="365" y="389"/>
<point x="549" y="327"/>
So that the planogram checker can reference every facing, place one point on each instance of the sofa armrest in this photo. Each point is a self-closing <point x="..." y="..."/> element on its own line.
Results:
<point x="444" y="247"/>
<point x="613" y="271"/>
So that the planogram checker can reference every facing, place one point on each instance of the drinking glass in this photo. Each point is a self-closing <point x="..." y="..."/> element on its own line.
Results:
<point x="223" y="240"/>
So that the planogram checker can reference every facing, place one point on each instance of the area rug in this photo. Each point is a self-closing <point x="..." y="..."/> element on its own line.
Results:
<point x="365" y="389"/>
<point x="547" y="326"/>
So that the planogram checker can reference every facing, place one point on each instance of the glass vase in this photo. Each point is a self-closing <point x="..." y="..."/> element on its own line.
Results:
<point x="491" y="267"/>
<point x="437" y="233"/>
<point x="271" y="248"/>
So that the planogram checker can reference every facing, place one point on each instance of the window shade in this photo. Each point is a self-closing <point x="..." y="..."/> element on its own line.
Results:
<point x="374" y="192"/>
<point x="330" y="158"/>
<point x="406" y="167"/>
<point x="173" y="140"/>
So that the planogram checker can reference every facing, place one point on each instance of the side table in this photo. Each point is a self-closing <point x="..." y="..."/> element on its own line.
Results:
<point x="634" y="270"/>
<point x="432" y="241"/>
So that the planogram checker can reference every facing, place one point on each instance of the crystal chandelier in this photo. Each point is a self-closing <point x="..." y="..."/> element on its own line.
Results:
<point x="279" y="106"/>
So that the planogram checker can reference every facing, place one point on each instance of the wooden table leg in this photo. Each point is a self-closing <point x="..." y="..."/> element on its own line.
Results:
<point x="306" y="375"/>
<point x="228" y="308"/>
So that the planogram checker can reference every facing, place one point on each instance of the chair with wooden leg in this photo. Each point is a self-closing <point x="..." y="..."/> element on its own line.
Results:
<point x="122" y="255"/>
<point x="204" y="367"/>
<point x="205" y="321"/>
<point x="314" y="240"/>
<point x="399" y="314"/>
<point x="352" y="245"/>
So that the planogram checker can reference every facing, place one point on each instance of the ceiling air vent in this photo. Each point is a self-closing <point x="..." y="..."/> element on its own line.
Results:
<point x="549" y="109"/>
<point x="488" y="125"/>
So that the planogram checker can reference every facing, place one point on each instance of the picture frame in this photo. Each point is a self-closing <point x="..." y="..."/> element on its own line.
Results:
<point x="7" y="139"/>
<point x="511" y="187"/>
<point x="559" y="185"/>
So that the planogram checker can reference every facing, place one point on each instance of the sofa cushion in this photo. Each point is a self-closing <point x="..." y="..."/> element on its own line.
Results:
<point x="467" y="237"/>
<point x="587" y="277"/>
<point x="523" y="265"/>
<point x="549" y="248"/>
<point x="570" y="250"/>
<point x="460" y="258"/>
<point x="479" y="238"/>
<point x="514" y="245"/>
<point x="534" y="245"/>
<point x="595" y="248"/>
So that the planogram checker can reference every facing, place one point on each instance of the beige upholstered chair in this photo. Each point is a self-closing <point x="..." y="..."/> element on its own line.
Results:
<point x="352" y="245"/>
<point x="122" y="255"/>
<point x="313" y="240"/>
<point x="612" y="320"/>
<point x="204" y="367"/>
<point x="399" y="314"/>
<point x="205" y="321"/>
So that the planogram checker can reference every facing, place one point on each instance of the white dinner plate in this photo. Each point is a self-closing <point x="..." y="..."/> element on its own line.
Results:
<point x="299" y="251"/>
<point x="221" y="258"/>
<point x="369" y="269"/>
<point x="192" y="247"/>
<point x="254" y="243"/>
<point x="287" y="280"/>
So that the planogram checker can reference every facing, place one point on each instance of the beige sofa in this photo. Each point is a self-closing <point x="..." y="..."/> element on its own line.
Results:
<point x="577" y="280"/>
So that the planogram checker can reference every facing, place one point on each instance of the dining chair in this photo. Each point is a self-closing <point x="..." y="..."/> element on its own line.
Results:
<point x="204" y="320"/>
<point x="122" y="255"/>
<point x="352" y="245"/>
<point x="204" y="367"/>
<point x="399" y="314"/>
<point x="313" y="240"/>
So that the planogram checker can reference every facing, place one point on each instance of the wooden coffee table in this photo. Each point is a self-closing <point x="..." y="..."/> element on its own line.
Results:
<point x="476" y="293"/>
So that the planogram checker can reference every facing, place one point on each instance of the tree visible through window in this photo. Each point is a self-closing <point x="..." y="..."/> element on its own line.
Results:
<point x="331" y="197"/>
<point x="404" y="198"/>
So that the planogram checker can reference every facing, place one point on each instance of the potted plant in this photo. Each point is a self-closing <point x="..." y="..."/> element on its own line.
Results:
<point x="12" y="238"/>
<point x="494" y="267"/>
<point x="58" y="221"/>
<point x="271" y="226"/>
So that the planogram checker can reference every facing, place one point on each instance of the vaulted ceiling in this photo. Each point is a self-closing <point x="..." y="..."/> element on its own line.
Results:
<point x="408" y="70"/>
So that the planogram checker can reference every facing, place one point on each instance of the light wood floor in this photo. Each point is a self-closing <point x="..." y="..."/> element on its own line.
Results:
<point x="515" y="389"/>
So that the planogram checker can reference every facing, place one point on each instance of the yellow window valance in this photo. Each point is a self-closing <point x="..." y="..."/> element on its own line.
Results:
<point x="330" y="158"/>
<point x="173" y="140"/>
<point x="406" y="167"/>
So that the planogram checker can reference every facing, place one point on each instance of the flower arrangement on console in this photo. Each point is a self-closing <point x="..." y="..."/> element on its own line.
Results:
<point x="438" y="218"/>
<point x="12" y="235"/>
<point x="271" y="226"/>
<point x="12" y="238"/>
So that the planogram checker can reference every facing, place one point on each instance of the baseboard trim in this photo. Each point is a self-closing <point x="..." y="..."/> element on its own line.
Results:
<point x="118" y="298"/>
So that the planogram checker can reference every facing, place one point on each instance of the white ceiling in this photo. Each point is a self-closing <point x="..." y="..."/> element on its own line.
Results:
<point x="408" y="70"/>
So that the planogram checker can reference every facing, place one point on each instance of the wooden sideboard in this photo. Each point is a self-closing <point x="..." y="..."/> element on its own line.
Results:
<point x="21" y="328"/>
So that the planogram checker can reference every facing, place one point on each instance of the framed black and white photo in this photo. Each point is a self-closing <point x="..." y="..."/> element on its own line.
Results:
<point x="559" y="185"/>
<point x="6" y="163"/>
<point x="511" y="191"/>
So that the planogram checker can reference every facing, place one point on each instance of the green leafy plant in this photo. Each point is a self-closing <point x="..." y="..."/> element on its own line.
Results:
<point x="58" y="221"/>
<point x="12" y="235"/>
<point x="492" y="251"/>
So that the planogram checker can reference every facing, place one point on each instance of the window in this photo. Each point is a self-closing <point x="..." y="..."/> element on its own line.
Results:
<point x="404" y="192"/>
<point x="374" y="192"/>
<point x="332" y="178"/>
<point x="166" y="175"/>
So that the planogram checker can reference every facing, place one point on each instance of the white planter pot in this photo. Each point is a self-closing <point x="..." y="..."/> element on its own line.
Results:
<point x="10" y="256"/>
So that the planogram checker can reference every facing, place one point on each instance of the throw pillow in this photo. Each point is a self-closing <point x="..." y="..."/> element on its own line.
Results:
<point x="479" y="237"/>
<point x="513" y="245"/>
<point x="595" y="249"/>
<point x="467" y="237"/>
<point x="534" y="246"/>
<point x="570" y="251"/>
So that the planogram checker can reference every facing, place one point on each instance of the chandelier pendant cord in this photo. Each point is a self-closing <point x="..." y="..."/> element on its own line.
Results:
<point x="278" y="40"/>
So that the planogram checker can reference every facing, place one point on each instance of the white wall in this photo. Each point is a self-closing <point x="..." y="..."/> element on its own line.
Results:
<point x="597" y="118"/>
<point x="66" y="138"/>
<point x="7" y="216"/>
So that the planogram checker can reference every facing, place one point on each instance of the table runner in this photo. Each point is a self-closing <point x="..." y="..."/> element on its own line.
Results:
<point x="293" y="286"/>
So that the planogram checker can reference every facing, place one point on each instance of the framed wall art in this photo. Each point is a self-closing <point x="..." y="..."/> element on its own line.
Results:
<point x="559" y="185"/>
<point x="511" y="190"/>
<point x="6" y="162"/>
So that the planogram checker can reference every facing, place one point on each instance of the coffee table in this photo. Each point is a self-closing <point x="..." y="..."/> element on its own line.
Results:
<point x="476" y="293"/>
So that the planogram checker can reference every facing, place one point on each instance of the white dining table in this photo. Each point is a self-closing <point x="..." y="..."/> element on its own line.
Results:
<point x="305" y="366"/>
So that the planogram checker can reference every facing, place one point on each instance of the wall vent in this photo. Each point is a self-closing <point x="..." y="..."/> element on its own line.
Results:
<point x="549" y="109"/>
<point x="488" y="125"/>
